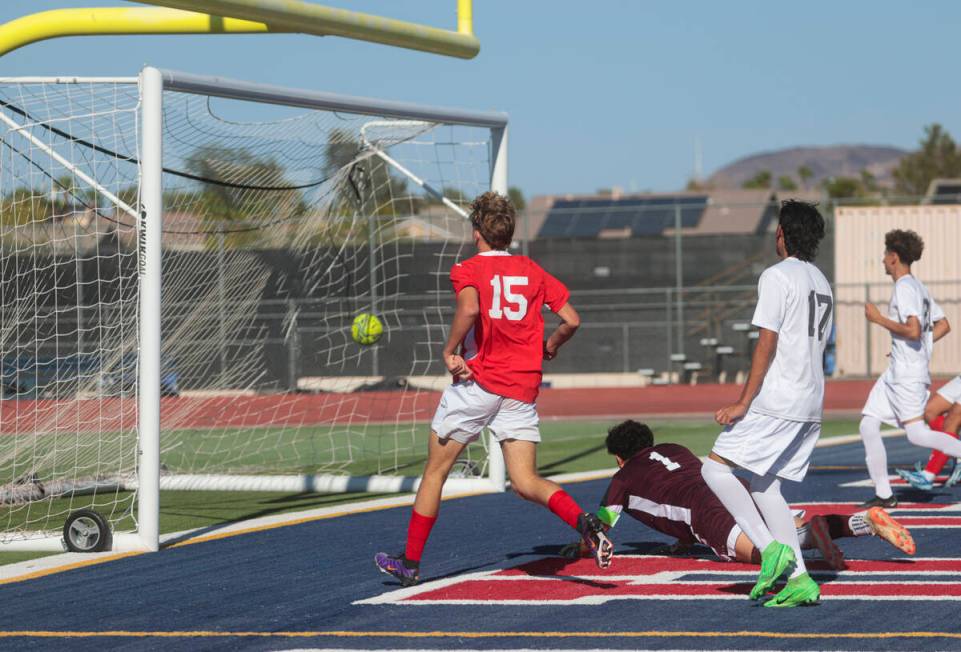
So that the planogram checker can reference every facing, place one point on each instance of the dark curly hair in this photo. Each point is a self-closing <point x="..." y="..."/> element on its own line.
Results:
<point x="627" y="438"/>
<point x="493" y="215"/>
<point x="908" y="245"/>
<point x="803" y="228"/>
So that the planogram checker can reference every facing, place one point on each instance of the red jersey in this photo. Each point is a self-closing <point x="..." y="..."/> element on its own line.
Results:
<point x="505" y="348"/>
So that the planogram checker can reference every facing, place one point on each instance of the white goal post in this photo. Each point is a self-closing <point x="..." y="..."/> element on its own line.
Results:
<point x="195" y="270"/>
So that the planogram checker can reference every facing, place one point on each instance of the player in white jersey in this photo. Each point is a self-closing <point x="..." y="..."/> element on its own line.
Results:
<point x="772" y="429"/>
<point x="898" y="398"/>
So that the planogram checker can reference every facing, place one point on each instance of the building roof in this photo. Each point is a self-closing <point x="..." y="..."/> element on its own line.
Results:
<point x="708" y="212"/>
<point x="616" y="215"/>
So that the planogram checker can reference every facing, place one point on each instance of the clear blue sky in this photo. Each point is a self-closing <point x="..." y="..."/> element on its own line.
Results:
<point x="605" y="93"/>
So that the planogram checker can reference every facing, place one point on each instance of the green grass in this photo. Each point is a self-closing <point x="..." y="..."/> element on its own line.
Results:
<point x="571" y="446"/>
<point x="567" y="447"/>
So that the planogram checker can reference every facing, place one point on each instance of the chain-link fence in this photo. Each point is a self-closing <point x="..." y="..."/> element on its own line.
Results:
<point x="675" y="306"/>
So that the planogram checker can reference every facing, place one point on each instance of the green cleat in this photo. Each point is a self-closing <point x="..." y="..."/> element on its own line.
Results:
<point x="800" y="591"/>
<point x="775" y="560"/>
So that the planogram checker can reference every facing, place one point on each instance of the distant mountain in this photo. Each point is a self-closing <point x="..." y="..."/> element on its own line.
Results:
<point x="824" y="162"/>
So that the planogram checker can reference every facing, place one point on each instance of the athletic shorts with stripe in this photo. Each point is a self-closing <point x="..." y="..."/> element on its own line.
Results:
<point x="716" y="528"/>
<point x="951" y="390"/>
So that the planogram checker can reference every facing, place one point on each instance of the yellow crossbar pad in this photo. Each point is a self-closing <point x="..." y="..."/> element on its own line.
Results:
<point x="99" y="21"/>
<point x="242" y="17"/>
<point x="310" y="18"/>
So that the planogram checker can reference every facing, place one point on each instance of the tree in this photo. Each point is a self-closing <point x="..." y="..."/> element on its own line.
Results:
<point x="804" y="173"/>
<point x="785" y="182"/>
<point x="869" y="181"/>
<point x="24" y="206"/>
<point x="938" y="157"/>
<point x="761" y="180"/>
<point x="698" y="185"/>
<point x="372" y="183"/>
<point x="517" y="198"/>
<point x="240" y="186"/>
<point x="843" y="187"/>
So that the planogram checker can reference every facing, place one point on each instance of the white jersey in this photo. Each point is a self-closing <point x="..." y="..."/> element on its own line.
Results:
<point x="794" y="301"/>
<point x="910" y="358"/>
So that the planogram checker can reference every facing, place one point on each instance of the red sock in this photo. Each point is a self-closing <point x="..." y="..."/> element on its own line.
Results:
<point x="564" y="506"/>
<point x="417" y="533"/>
<point x="938" y="459"/>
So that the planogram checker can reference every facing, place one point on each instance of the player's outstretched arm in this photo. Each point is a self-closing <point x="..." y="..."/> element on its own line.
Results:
<point x="941" y="328"/>
<point x="760" y="362"/>
<point x="909" y="330"/>
<point x="570" y="322"/>
<point x="468" y="307"/>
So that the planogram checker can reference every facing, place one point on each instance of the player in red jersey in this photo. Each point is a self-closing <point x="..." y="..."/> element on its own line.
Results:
<point x="494" y="353"/>
<point x="661" y="486"/>
<point x="943" y="414"/>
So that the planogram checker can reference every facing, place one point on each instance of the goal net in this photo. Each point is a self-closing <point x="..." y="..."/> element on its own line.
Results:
<point x="286" y="216"/>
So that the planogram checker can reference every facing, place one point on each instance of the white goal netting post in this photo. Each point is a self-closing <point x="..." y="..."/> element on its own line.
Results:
<point x="213" y="349"/>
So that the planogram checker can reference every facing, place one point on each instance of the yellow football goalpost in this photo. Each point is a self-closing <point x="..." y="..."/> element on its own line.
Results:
<point x="242" y="17"/>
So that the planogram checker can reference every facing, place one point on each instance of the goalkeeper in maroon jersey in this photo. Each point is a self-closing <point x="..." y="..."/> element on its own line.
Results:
<point x="494" y="352"/>
<point x="661" y="486"/>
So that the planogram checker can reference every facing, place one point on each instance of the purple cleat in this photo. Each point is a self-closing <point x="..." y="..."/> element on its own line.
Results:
<point x="408" y="572"/>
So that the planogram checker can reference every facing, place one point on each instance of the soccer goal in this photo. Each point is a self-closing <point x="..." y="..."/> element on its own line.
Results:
<point x="182" y="259"/>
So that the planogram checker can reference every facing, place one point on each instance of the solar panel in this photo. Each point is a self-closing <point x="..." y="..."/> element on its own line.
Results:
<point x="586" y="218"/>
<point x="556" y="225"/>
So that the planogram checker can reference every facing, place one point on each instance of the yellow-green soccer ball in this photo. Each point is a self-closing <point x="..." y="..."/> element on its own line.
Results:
<point x="366" y="329"/>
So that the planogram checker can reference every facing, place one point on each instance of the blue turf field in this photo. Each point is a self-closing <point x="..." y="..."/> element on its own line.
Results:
<point x="296" y="587"/>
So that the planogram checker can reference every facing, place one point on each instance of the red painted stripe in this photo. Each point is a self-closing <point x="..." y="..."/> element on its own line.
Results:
<point x="539" y="591"/>
<point x="842" y="508"/>
<point x="901" y="482"/>
<point x="622" y="566"/>
<point x="892" y="589"/>
<point x="947" y="521"/>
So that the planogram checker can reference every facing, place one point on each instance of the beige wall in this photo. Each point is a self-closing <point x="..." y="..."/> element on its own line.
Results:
<point x="858" y="247"/>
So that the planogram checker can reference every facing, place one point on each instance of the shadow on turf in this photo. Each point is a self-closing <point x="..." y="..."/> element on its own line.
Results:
<point x="912" y="495"/>
<point x="306" y="500"/>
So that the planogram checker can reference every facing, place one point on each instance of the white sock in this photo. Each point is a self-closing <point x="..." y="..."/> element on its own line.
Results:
<point x="736" y="499"/>
<point x="805" y="538"/>
<point x="859" y="525"/>
<point x="766" y="491"/>
<point x="920" y="435"/>
<point x="875" y="456"/>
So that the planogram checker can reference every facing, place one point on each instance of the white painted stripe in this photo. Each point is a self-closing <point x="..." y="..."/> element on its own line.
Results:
<point x="827" y="442"/>
<point x="400" y="595"/>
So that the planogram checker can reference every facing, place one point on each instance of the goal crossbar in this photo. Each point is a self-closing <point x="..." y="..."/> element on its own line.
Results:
<point x="307" y="99"/>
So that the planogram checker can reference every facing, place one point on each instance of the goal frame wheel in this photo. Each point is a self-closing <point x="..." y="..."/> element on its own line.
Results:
<point x="86" y="530"/>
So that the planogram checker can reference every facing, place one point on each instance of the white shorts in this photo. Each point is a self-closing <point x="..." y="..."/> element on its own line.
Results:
<point x="951" y="391"/>
<point x="467" y="408"/>
<point x="764" y="444"/>
<point x="895" y="403"/>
